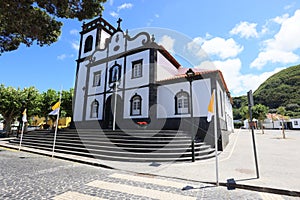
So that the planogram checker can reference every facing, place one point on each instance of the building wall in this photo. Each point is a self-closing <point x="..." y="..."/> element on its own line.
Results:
<point x="295" y="123"/>
<point x="165" y="69"/>
<point x="80" y="91"/>
<point x="166" y="98"/>
<point x="137" y="82"/>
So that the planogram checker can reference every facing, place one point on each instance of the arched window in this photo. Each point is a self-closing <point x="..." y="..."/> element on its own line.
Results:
<point x="182" y="103"/>
<point x="114" y="73"/>
<point x="136" y="105"/>
<point x="94" y="109"/>
<point x="88" y="44"/>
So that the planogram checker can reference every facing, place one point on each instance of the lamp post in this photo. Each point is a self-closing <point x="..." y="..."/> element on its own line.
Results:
<point x="190" y="74"/>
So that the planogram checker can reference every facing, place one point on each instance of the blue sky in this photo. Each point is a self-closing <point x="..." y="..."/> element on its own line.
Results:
<point x="247" y="40"/>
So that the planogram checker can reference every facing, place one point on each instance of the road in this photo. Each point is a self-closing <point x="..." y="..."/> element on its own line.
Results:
<point x="31" y="176"/>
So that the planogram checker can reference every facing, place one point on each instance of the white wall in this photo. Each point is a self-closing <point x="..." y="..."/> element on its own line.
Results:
<point x="165" y="69"/>
<point x="117" y="44"/>
<point x="144" y="93"/>
<point x="201" y="96"/>
<point x="104" y="36"/>
<point x="295" y="122"/>
<point x="144" y="80"/>
<point x="90" y="99"/>
<point x="92" y="33"/>
<point x="80" y="91"/>
<point x="98" y="89"/>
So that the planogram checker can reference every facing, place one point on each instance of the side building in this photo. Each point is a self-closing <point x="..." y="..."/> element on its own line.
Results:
<point x="126" y="83"/>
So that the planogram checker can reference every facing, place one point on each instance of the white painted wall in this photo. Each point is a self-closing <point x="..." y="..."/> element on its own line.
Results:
<point x="90" y="99"/>
<point x="166" y="98"/>
<point x="295" y="123"/>
<point x="92" y="33"/>
<point x="165" y="69"/>
<point x="80" y="91"/>
<point x="144" y="93"/>
<point x="135" y="82"/>
<point x="117" y="44"/>
<point x="104" y="37"/>
<point x="98" y="89"/>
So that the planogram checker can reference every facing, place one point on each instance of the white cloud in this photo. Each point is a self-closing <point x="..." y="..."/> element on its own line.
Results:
<point x="245" y="30"/>
<point x="279" y="49"/>
<point x="114" y="14"/>
<point x="280" y="19"/>
<point x="274" y="56"/>
<point x="237" y="83"/>
<point x="61" y="57"/>
<point x="167" y="42"/>
<point x="75" y="45"/>
<point x="221" y="47"/>
<point x="156" y="15"/>
<point x="124" y="6"/>
<point x="74" y="32"/>
<point x="111" y="2"/>
<point x="287" y="7"/>
<point x="64" y="56"/>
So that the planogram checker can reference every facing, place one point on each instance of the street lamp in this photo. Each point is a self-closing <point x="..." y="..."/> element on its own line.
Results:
<point x="190" y="75"/>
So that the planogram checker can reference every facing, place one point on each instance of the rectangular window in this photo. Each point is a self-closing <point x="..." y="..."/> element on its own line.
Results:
<point x="97" y="79"/>
<point x="296" y="123"/>
<point x="137" y="67"/>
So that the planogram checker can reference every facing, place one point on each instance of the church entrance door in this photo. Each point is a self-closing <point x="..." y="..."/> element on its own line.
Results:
<point x="109" y="111"/>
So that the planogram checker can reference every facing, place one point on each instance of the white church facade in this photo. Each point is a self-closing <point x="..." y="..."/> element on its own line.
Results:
<point x="131" y="82"/>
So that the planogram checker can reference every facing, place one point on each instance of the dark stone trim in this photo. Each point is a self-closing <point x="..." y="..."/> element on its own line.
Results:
<point x="86" y="94"/>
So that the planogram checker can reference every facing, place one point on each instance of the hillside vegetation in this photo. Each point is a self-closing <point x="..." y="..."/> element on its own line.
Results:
<point x="280" y="90"/>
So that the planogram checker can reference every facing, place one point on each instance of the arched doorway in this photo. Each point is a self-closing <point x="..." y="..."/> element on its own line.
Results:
<point x="109" y="111"/>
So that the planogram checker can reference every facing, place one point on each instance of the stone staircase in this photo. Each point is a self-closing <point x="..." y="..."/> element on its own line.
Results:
<point x="129" y="145"/>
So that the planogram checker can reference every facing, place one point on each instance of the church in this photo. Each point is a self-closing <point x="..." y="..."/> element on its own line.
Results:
<point x="126" y="82"/>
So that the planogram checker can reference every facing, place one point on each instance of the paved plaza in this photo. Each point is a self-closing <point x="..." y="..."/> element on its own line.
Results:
<point x="32" y="176"/>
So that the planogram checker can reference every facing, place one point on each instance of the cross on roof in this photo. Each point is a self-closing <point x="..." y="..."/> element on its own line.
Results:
<point x="119" y="23"/>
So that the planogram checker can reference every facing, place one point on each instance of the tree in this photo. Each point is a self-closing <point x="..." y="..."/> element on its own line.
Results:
<point x="259" y="112"/>
<point x="281" y="111"/>
<point x="13" y="101"/>
<point x="67" y="103"/>
<point x="48" y="99"/>
<point x="26" y="21"/>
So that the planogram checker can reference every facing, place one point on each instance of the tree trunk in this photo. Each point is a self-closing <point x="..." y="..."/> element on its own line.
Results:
<point x="262" y="127"/>
<point x="283" y="134"/>
<point x="7" y="126"/>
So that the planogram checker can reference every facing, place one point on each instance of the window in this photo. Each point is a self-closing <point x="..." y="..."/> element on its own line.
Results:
<point x="88" y="44"/>
<point x="94" y="109"/>
<point x="136" y="105"/>
<point x="137" y="69"/>
<point x="182" y="103"/>
<point x="97" y="79"/>
<point x="296" y="123"/>
<point x="114" y="73"/>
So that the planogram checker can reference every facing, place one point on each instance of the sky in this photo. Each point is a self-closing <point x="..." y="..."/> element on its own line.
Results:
<point x="247" y="40"/>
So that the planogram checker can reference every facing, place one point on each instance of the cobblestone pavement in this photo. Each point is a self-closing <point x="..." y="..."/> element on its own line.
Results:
<point x="30" y="176"/>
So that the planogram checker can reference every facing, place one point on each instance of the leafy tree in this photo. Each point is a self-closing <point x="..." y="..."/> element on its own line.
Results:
<point x="67" y="103"/>
<point x="48" y="99"/>
<point x="259" y="112"/>
<point x="26" y="21"/>
<point x="14" y="101"/>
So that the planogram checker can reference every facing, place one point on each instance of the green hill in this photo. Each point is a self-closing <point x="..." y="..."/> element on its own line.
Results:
<point x="281" y="89"/>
